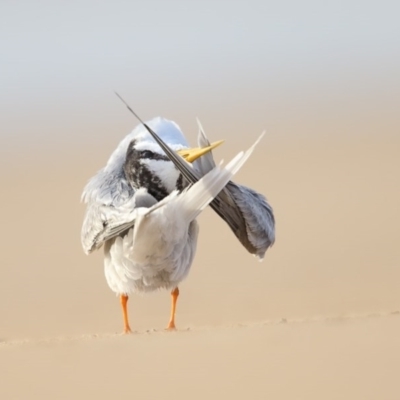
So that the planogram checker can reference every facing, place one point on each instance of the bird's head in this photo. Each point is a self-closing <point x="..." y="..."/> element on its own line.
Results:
<point x="147" y="165"/>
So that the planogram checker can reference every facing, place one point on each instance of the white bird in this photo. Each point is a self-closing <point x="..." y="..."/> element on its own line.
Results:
<point x="136" y="177"/>
<point x="148" y="243"/>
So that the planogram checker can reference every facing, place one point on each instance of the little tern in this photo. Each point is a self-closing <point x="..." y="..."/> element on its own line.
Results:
<point x="146" y="222"/>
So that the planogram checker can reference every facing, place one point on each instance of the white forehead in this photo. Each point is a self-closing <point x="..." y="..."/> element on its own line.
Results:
<point x="154" y="147"/>
<point x="168" y="131"/>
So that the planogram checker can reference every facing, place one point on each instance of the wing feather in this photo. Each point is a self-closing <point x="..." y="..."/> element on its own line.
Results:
<point x="110" y="198"/>
<point x="247" y="212"/>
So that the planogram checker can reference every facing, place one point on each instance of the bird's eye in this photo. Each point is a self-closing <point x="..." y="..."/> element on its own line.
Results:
<point x="147" y="154"/>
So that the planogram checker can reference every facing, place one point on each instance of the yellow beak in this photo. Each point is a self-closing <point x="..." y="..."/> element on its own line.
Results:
<point x="194" y="153"/>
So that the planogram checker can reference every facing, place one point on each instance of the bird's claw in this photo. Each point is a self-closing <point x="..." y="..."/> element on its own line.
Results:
<point x="127" y="330"/>
<point x="171" y="327"/>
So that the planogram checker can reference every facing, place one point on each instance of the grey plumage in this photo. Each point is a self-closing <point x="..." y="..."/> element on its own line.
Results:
<point x="246" y="211"/>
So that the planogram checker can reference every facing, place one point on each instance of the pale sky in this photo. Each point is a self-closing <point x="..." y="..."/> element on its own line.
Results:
<point x="193" y="57"/>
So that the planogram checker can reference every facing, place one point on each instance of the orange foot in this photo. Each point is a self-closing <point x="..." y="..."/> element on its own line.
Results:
<point x="174" y="297"/>
<point x="127" y="330"/>
<point x="171" y="326"/>
<point x="124" y="305"/>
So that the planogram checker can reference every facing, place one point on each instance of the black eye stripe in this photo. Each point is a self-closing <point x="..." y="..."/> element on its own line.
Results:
<point x="152" y="156"/>
<point x="146" y="154"/>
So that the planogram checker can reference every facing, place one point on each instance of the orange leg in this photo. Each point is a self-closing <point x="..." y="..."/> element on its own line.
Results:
<point x="124" y="303"/>
<point x="174" y="298"/>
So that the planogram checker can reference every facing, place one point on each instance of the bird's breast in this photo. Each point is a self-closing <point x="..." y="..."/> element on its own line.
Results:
<point x="163" y="172"/>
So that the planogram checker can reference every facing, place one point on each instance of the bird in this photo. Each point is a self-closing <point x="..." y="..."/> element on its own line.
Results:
<point x="137" y="201"/>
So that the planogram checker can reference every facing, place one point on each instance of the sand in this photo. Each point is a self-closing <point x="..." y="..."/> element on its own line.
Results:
<point x="318" y="319"/>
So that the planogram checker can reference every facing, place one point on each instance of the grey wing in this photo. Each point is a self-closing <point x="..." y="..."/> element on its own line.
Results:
<point x="102" y="223"/>
<point x="110" y="209"/>
<point x="246" y="211"/>
<point x="258" y="218"/>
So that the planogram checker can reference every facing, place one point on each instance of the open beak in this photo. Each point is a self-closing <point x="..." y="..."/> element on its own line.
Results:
<point x="194" y="153"/>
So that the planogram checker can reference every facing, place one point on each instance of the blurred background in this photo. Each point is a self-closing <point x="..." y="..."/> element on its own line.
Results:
<point x="322" y="78"/>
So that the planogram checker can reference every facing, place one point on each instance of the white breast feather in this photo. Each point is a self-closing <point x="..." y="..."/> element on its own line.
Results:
<point x="165" y="170"/>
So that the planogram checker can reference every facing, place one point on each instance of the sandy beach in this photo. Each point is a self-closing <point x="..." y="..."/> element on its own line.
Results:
<point x="318" y="319"/>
